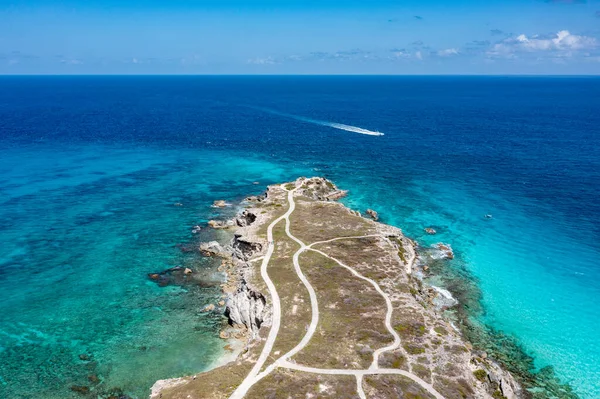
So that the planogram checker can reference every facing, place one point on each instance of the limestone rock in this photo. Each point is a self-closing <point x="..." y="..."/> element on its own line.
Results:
<point x="244" y="248"/>
<point x="211" y="248"/>
<point x="246" y="307"/>
<point x="446" y="250"/>
<point x="430" y="230"/>
<point x="161" y="385"/>
<point x="319" y="188"/>
<point x="217" y="224"/>
<point x="209" y="308"/>
<point x="374" y="215"/>
<point x="246" y="218"/>
<point x="219" y="204"/>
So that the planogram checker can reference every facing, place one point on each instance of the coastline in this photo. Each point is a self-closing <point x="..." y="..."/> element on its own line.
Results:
<point x="247" y="306"/>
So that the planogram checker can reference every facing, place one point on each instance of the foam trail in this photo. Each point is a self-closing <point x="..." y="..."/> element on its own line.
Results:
<point x="334" y="125"/>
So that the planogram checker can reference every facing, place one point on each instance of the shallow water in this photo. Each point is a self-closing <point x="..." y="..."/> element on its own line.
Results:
<point x="91" y="169"/>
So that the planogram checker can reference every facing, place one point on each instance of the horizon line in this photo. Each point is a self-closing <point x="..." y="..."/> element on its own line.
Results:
<point x="291" y="75"/>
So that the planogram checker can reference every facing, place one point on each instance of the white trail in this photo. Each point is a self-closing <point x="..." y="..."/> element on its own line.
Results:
<point x="335" y="125"/>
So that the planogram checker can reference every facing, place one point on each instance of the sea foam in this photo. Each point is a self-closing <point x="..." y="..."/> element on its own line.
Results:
<point x="335" y="125"/>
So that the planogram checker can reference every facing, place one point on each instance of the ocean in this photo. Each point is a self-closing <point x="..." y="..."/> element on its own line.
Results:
<point x="103" y="179"/>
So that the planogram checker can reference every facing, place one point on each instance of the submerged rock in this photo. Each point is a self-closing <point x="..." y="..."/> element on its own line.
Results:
<point x="430" y="230"/>
<point x="219" y="224"/>
<point x="445" y="250"/>
<point x="81" y="389"/>
<point x="219" y="204"/>
<point x="174" y="275"/>
<point x="209" y="308"/>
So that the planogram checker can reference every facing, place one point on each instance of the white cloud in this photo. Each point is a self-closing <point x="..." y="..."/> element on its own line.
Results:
<point x="262" y="61"/>
<point x="562" y="43"/>
<point x="401" y="54"/>
<point x="448" y="52"/>
<point x="418" y="55"/>
<point x="71" y="61"/>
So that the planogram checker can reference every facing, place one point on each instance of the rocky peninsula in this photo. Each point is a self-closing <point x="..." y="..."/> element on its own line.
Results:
<point x="327" y="304"/>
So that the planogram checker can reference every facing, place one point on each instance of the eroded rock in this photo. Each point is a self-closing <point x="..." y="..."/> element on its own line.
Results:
<point x="246" y="307"/>
<point x="212" y="248"/>
<point x="246" y="218"/>
<point x="374" y="215"/>
<point x="219" y="204"/>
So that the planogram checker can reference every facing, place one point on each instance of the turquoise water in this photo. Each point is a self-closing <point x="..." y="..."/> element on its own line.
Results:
<point x="79" y="239"/>
<point x="91" y="170"/>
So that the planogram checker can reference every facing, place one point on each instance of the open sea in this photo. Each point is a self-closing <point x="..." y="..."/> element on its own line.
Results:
<point x="102" y="180"/>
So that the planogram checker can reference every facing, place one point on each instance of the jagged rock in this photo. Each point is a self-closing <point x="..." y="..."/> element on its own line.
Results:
<point x="319" y="188"/>
<point x="219" y="204"/>
<point x="219" y="224"/>
<point x="246" y="218"/>
<point x="446" y="250"/>
<point x="162" y="385"/>
<point x="495" y="378"/>
<point x="246" y="307"/>
<point x="374" y="215"/>
<point x="430" y="230"/>
<point x="211" y="248"/>
<point x="244" y="248"/>
<point x="187" y="271"/>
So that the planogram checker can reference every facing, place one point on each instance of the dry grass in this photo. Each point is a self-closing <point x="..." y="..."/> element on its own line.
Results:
<point x="393" y="386"/>
<point x="295" y="302"/>
<point x="318" y="221"/>
<point x="293" y="384"/>
<point x="352" y="314"/>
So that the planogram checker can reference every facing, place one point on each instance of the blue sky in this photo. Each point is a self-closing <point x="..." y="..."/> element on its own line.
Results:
<point x="300" y="37"/>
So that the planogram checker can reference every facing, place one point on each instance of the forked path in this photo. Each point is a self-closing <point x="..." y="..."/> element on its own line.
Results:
<point x="284" y="361"/>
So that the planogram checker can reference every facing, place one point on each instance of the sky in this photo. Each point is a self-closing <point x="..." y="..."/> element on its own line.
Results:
<point x="539" y="37"/>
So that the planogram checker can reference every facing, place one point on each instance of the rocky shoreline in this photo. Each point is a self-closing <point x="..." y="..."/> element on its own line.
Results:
<point x="247" y="308"/>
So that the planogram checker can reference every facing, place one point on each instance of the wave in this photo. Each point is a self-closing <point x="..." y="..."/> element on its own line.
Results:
<point x="334" y="125"/>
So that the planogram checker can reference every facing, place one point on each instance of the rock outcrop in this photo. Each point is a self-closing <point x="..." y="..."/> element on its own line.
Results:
<point x="246" y="218"/>
<point x="374" y="215"/>
<point x="212" y="248"/>
<point x="445" y="250"/>
<point x="245" y="248"/>
<point x="219" y="224"/>
<point x="497" y="381"/>
<point x="246" y="307"/>
<point x="219" y="204"/>
<point x="319" y="188"/>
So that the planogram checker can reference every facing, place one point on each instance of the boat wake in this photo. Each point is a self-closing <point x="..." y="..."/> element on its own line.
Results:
<point x="334" y="125"/>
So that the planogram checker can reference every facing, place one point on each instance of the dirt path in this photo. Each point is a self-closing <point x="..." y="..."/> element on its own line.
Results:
<point x="284" y="361"/>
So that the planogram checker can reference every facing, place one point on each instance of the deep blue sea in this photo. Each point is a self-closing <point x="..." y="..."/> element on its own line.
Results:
<point x="91" y="170"/>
